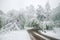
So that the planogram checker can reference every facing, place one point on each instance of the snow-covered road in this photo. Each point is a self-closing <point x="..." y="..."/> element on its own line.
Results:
<point x="52" y="33"/>
<point x="15" y="35"/>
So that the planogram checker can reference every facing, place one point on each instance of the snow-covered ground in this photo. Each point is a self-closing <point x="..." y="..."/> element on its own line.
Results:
<point x="15" y="35"/>
<point x="52" y="33"/>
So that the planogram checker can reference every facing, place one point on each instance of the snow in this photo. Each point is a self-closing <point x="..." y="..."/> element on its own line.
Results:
<point x="41" y="36"/>
<point x="9" y="27"/>
<point x="53" y="33"/>
<point x="15" y="35"/>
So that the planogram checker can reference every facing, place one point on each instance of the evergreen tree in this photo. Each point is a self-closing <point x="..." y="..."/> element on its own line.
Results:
<point x="40" y="13"/>
<point x="56" y="11"/>
<point x="31" y="11"/>
<point x="48" y="11"/>
<point x="0" y="22"/>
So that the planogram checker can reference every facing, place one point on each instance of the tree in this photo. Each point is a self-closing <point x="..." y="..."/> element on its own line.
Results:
<point x="21" y="21"/>
<point x="48" y="11"/>
<point x="49" y="27"/>
<point x="31" y="11"/>
<point x="40" y="10"/>
<point x="36" y="24"/>
<point x="0" y="22"/>
<point x="56" y="11"/>
<point x="56" y="16"/>
<point x="40" y="13"/>
<point x="13" y="13"/>
<point x="47" y="6"/>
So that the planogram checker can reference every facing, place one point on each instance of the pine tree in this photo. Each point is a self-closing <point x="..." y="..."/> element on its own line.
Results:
<point x="40" y="13"/>
<point x="0" y="22"/>
<point x="30" y="11"/>
<point x="48" y="10"/>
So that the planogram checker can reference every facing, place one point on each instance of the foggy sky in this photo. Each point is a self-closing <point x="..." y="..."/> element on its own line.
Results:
<point x="6" y="5"/>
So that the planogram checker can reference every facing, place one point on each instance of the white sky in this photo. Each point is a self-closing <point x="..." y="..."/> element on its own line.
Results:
<point x="6" y="5"/>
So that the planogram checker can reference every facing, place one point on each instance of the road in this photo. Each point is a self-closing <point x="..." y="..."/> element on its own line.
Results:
<point x="35" y="35"/>
<point x="31" y="34"/>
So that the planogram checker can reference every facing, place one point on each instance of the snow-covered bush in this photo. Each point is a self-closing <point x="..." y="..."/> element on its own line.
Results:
<point x="50" y="26"/>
